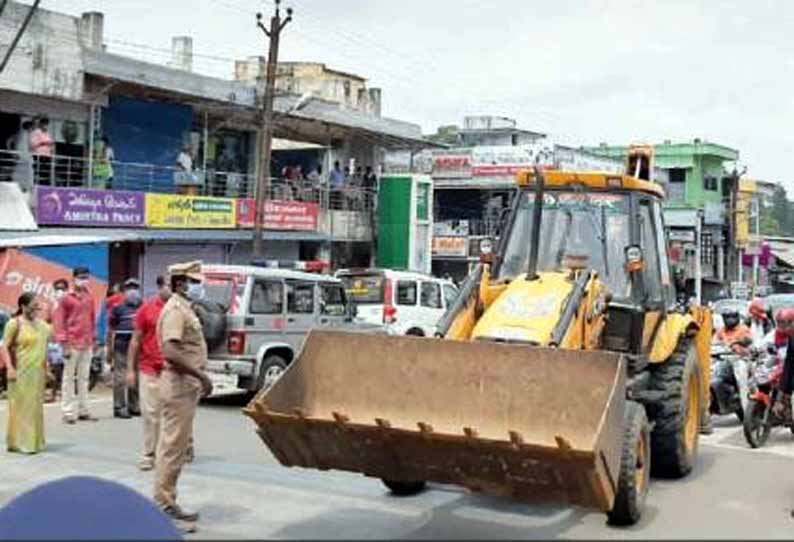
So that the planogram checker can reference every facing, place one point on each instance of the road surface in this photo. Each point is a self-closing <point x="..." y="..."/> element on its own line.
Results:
<point x="241" y="492"/>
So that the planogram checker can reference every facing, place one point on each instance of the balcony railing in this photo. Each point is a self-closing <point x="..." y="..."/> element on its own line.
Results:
<point x="72" y="172"/>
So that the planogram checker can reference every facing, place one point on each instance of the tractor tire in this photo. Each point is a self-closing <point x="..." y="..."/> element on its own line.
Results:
<point x="635" y="467"/>
<point x="674" y="440"/>
<point x="404" y="489"/>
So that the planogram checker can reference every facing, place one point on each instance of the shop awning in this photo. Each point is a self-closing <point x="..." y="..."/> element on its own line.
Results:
<point x="75" y="236"/>
<point x="783" y="252"/>
<point x="15" y="212"/>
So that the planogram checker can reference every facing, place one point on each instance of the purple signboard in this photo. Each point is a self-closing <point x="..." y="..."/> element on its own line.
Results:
<point x="84" y="207"/>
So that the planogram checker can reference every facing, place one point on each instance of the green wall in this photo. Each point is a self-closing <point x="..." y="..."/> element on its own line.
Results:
<point x="394" y="222"/>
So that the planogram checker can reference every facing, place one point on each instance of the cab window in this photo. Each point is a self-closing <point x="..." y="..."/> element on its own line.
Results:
<point x="406" y="292"/>
<point x="300" y="297"/>
<point x="650" y="251"/>
<point x="267" y="297"/>
<point x="332" y="300"/>
<point x="450" y="293"/>
<point x="431" y="295"/>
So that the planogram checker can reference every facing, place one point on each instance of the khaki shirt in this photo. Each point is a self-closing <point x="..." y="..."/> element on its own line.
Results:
<point x="179" y="322"/>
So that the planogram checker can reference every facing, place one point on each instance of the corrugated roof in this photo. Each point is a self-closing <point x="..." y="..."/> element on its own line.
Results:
<point x="15" y="212"/>
<point x="74" y="236"/>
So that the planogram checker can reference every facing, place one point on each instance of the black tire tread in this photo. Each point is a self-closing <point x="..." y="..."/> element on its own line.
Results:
<point x="668" y="450"/>
<point x="749" y="416"/>
<point x="628" y="505"/>
<point x="404" y="489"/>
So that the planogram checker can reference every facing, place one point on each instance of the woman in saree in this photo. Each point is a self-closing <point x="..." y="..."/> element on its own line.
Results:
<point x="25" y="351"/>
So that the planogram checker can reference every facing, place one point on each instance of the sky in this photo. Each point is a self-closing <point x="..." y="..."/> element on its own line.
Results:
<point x="584" y="72"/>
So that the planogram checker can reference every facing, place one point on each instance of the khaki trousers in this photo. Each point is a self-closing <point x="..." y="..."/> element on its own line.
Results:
<point x="179" y="397"/>
<point x="77" y="366"/>
<point x="151" y="411"/>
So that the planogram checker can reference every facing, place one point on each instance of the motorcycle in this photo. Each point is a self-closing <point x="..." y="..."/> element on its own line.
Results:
<point x="759" y="418"/>
<point x="729" y="385"/>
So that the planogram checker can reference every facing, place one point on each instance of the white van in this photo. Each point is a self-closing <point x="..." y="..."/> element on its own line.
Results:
<point x="404" y="303"/>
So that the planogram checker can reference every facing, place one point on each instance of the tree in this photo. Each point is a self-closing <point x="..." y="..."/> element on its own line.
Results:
<point x="446" y="135"/>
<point x="769" y="226"/>
<point x="781" y="211"/>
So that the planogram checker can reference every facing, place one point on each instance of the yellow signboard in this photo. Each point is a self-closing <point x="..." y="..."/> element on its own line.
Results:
<point x="169" y="211"/>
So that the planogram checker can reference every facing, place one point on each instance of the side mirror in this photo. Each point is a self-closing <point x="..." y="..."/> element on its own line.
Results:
<point x="635" y="260"/>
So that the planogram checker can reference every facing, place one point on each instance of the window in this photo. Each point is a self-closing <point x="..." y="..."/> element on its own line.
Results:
<point x="450" y="294"/>
<point x="332" y="300"/>
<point x="406" y="292"/>
<point x="300" y="297"/>
<point x="661" y="241"/>
<point x="267" y="297"/>
<point x="710" y="183"/>
<point x="677" y="175"/>
<point x="652" y="279"/>
<point x="431" y="295"/>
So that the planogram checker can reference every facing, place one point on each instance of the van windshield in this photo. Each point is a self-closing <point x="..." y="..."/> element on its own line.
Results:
<point x="364" y="289"/>
<point x="226" y="290"/>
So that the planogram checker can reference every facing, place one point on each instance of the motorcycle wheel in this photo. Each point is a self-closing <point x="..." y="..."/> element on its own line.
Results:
<point x="755" y="431"/>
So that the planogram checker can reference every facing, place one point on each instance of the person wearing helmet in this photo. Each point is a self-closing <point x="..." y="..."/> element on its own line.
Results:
<point x="785" y="323"/>
<point x="760" y="323"/>
<point x="735" y="335"/>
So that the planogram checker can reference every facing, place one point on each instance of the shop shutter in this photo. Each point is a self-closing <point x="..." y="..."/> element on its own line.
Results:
<point x="158" y="257"/>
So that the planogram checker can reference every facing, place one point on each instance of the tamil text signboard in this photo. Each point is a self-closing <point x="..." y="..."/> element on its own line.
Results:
<point x="169" y="211"/>
<point x="280" y="215"/>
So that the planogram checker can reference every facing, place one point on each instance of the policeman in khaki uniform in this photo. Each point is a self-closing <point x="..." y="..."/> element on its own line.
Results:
<point x="182" y="383"/>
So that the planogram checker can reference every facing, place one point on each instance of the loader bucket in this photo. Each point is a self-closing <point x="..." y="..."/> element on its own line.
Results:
<point x="530" y="423"/>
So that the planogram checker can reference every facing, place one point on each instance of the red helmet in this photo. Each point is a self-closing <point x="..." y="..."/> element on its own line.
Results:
<point x="757" y="309"/>
<point x="785" y="315"/>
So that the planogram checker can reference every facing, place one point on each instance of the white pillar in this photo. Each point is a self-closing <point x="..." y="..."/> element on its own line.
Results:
<point x="698" y="265"/>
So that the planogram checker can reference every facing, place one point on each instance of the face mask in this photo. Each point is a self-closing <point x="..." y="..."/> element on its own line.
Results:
<point x="133" y="296"/>
<point x="59" y="294"/>
<point x="81" y="283"/>
<point x="195" y="291"/>
<point x="731" y="321"/>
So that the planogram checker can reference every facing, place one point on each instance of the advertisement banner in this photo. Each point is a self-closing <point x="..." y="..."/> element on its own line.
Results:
<point x="280" y="215"/>
<point x="451" y="246"/>
<point x="85" y="207"/>
<point x="21" y="272"/>
<point x="169" y="211"/>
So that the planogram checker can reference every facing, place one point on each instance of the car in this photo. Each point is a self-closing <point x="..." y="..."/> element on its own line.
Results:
<point x="256" y="319"/>
<point x="406" y="303"/>
<point x="721" y="305"/>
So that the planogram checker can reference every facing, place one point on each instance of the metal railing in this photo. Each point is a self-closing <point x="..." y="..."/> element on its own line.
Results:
<point x="73" y="172"/>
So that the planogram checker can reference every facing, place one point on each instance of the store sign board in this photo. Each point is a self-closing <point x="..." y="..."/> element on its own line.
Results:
<point x="280" y="215"/>
<point x="86" y="207"/>
<point x="21" y="273"/>
<point x="450" y="246"/>
<point x="198" y="212"/>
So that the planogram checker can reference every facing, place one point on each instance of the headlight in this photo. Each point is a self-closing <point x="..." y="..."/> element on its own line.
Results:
<point x="486" y="246"/>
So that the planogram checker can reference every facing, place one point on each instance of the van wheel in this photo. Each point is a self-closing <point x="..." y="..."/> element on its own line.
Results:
<point x="272" y="369"/>
<point x="415" y="333"/>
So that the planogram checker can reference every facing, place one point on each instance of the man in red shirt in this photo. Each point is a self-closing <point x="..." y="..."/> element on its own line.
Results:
<point x="144" y="359"/>
<point x="77" y="325"/>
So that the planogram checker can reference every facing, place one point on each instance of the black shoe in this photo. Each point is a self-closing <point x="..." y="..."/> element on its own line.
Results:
<point x="175" y="512"/>
<point x="123" y="414"/>
<point x="135" y="413"/>
<point x="87" y="418"/>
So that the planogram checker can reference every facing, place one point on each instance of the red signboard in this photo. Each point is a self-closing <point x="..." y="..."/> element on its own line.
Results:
<point x="21" y="272"/>
<point x="280" y="215"/>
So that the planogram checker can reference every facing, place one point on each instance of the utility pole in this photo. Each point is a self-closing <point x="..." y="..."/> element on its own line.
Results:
<point x="19" y="33"/>
<point x="263" y="183"/>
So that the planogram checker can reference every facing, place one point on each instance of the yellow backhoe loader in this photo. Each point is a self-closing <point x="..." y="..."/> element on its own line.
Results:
<point x="564" y="372"/>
